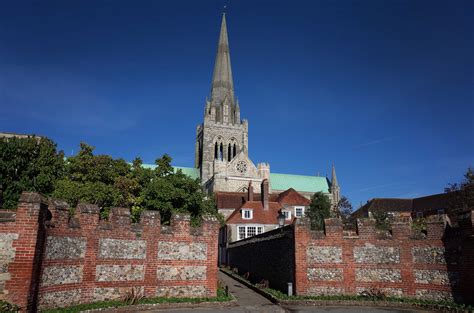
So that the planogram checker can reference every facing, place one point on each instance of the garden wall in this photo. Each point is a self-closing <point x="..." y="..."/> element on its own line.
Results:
<point x="52" y="256"/>
<point x="436" y="266"/>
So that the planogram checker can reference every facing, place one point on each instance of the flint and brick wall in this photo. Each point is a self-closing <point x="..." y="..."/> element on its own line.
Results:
<point x="49" y="258"/>
<point x="438" y="266"/>
<point x="397" y="264"/>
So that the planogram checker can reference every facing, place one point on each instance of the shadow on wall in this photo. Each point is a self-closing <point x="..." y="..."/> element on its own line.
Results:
<point x="459" y="256"/>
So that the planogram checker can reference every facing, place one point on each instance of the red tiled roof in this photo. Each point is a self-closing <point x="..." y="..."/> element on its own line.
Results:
<point x="384" y="205"/>
<point x="260" y="216"/>
<point x="292" y="197"/>
<point x="433" y="202"/>
<point x="234" y="200"/>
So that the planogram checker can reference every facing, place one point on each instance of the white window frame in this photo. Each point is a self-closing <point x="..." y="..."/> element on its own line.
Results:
<point x="259" y="229"/>
<point x="250" y="214"/>
<point x="302" y="211"/>
<point x="287" y="214"/>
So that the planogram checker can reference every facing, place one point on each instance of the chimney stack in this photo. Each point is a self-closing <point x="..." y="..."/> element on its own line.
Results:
<point x="250" y="192"/>
<point x="264" y="190"/>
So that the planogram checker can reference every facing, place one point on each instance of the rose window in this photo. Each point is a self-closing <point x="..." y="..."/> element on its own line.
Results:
<point x="241" y="166"/>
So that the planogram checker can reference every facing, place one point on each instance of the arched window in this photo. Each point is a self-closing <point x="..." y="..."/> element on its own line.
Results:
<point x="229" y="152"/>
<point x="215" y="150"/>
<point x="235" y="150"/>
<point x="221" y="152"/>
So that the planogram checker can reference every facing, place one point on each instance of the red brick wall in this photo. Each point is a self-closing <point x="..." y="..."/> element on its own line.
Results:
<point x="435" y="267"/>
<point x="21" y="257"/>
<point x="80" y="258"/>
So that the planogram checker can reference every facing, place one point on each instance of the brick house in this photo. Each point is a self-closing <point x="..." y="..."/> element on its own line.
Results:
<point x="257" y="214"/>
<point x="417" y="207"/>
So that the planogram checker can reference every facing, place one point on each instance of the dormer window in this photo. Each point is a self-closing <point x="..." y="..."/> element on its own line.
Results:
<point x="247" y="214"/>
<point x="299" y="211"/>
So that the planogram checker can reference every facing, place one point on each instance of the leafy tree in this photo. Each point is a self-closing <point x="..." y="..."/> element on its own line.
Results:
<point x="28" y="164"/>
<point x="344" y="209"/>
<point x="170" y="192"/>
<point x="319" y="209"/>
<point x="96" y="179"/>
<point x="33" y="164"/>
<point x="461" y="195"/>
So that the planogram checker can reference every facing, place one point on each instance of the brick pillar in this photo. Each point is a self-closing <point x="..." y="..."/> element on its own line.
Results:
<point x="210" y="232"/>
<point x="23" y="286"/>
<point x="302" y="238"/>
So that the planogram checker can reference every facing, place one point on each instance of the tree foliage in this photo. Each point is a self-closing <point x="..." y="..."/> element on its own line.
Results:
<point x="461" y="195"/>
<point x="344" y="209"/>
<point x="34" y="164"/>
<point x="319" y="209"/>
<point x="28" y="164"/>
<point x="108" y="182"/>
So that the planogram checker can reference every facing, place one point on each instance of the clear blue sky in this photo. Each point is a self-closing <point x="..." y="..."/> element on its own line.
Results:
<point x="382" y="88"/>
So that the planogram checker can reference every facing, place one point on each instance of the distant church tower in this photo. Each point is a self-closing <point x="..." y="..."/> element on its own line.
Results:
<point x="223" y="135"/>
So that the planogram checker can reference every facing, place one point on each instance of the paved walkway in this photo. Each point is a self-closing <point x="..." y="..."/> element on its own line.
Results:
<point x="248" y="300"/>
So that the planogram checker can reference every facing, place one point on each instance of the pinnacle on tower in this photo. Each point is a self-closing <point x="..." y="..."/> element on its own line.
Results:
<point x="222" y="83"/>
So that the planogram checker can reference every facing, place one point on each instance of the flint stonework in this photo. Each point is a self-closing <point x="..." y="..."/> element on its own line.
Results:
<point x="59" y="275"/>
<point x="181" y="291"/>
<point x="325" y="274"/>
<point x="59" y="299"/>
<point x="119" y="272"/>
<point x="7" y="255"/>
<point x="181" y="273"/>
<point x="320" y="254"/>
<point x="378" y="275"/>
<point x="434" y="295"/>
<point x="112" y="293"/>
<point x="325" y="291"/>
<point x="428" y="255"/>
<point x="435" y="277"/>
<point x="391" y="292"/>
<point x="181" y="251"/>
<point x="122" y="249"/>
<point x="65" y="248"/>
<point x="378" y="255"/>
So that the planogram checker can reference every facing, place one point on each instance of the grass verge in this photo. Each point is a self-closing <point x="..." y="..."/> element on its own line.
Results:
<point x="445" y="306"/>
<point x="221" y="297"/>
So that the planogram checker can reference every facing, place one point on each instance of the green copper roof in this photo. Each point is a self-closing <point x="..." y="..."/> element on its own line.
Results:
<point x="299" y="182"/>
<point x="189" y="171"/>
<point x="278" y="181"/>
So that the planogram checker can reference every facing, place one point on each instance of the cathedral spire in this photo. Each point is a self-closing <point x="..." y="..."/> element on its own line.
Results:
<point x="334" y="177"/>
<point x="335" y="190"/>
<point x="222" y="83"/>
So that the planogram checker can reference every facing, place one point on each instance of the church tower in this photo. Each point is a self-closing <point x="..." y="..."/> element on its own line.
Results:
<point x="223" y="135"/>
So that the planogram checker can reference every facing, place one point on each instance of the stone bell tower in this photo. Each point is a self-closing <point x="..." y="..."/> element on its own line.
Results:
<point x="223" y="135"/>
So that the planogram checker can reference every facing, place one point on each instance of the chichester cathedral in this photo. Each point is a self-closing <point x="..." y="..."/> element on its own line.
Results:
<point x="222" y="160"/>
